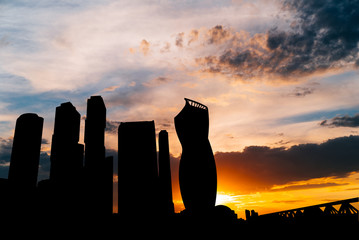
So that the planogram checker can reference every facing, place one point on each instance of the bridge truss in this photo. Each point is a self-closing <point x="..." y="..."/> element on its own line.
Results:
<point x="325" y="212"/>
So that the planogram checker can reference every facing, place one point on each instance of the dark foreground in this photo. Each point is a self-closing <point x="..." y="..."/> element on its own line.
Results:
<point x="177" y="226"/>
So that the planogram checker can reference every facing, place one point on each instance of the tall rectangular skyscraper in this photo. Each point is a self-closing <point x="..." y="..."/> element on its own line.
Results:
<point x="26" y="151"/>
<point x="66" y="162"/>
<point x="95" y="125"/>
<point x="165" y="182"/>
<point x="98" y="169"/>
<point x="66" y="153"/>
<point x="137" y="169"/>
<point x="24" y="165"/>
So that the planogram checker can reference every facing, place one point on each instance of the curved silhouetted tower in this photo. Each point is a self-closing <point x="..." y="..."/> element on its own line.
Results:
<point x="197" y="171"/>
<point x="26" y="151"/>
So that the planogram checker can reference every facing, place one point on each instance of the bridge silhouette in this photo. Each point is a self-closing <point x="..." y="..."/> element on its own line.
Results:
<point x="311" y="214"/>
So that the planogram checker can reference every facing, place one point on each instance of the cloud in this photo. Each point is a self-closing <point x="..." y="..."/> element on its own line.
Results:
<point x="112" y="126"/>
<point x="308" y="186"/>
<point x="44" y="166"/>
<point x="144" y="47"/>
<point x="5" y="155"/>
<point x="45" y="141"/>
<point x="322" y="36"/>
<point x="301" y="91"/>
<point x="259" y="167"/>
<point x="179" y="39"/>
<point x="345" y="121"/>
<point x="157" y="81"/>
<point x="218" y="35"/>
<point x="111" y="88"/>
<point x="193" y="36"/>
<point x="237" y="55"/>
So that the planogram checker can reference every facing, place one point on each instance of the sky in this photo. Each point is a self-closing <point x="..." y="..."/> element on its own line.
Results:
<point x="280" y="79"/>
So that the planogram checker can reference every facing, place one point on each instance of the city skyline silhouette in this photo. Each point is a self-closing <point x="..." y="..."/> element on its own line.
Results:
<point x="81" y="176"/>
<point x="279" y="78"/>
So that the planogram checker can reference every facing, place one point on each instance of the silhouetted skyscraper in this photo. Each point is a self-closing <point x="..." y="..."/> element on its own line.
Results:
<point x="137" y="169"/>
<point x="66" y="153"/>
<point x="26" y="151"/>
<point x="66" y="162"/>
<point x="107" y="186"/>
<point x="197" y="172"/>
<point x="164" y="167"/>
<point x="95" y="125"/>
<point x="24" y="165"/>
<point x="98" y="169"/>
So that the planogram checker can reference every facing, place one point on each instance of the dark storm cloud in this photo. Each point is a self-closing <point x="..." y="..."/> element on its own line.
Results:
<point x="44" y="141"/>
<point x="261" y="167"/>
<point x="324" y="34"/>
<point x="5" y="154"/>
<point x="218" y="34"/>
<point x="345" y="121"/>
<point x="44" y="166"/>
<point x="301" y="91"/>
<point x="112" y="126"/>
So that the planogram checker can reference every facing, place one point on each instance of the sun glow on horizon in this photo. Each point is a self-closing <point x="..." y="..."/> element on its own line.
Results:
<point x="225" y="198"/>
<point x="293" y="195"/>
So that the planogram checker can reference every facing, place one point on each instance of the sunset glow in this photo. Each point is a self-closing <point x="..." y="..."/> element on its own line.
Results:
<point x="282" y="91"/>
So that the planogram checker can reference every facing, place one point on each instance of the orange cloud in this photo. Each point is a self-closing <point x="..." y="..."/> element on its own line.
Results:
<point x="144" y="47"/>
<point x="193" y="36"/>
<point x="218" y="35"/>
<point x="262" y="168"/>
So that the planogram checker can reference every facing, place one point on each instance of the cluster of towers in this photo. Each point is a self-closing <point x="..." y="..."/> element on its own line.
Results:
<point x="81" y="176"/>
